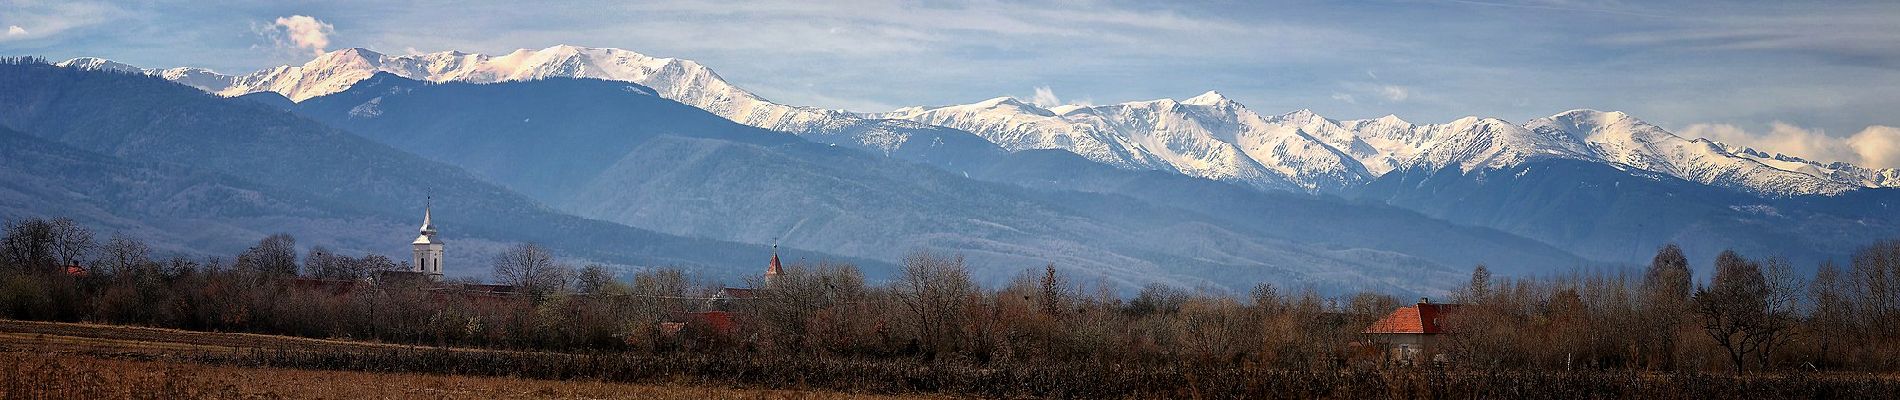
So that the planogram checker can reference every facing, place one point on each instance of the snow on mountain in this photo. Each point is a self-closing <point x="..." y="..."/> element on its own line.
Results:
<point x="1214" y="137"/>
<point x="1836" y="171"/>
<point x="1616" y="137"/>
<point x="1015" y="125"/>
<point x="1388" y="143"/>
<point x="680" y="80"/>
<point x="1205" y="136"/>
<point x="1208" y="136"/>
<point x="195" y="77"/>
<point x="100" y="64"/>
<point x="1197" y="137"/>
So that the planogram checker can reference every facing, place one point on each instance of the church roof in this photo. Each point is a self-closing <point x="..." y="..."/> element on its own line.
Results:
<point x="774" y="268"/>
<point x="1422" y="318"/>
<point x="428" y="228"/>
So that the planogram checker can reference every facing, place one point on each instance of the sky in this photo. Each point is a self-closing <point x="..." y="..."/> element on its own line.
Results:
<point x="1811" y="80"/>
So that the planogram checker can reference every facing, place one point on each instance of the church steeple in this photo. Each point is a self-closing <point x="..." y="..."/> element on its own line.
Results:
<point x="428" y="250"/>
<point x="773" y="270"/>
<point x="428" y="228"/>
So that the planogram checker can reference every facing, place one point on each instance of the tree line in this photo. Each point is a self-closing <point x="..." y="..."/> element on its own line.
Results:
<point x="1747" y="315"/>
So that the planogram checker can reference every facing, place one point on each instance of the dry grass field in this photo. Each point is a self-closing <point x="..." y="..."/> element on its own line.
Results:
<point x="40" y="360"/>
<point x="32" y="376"/>
<point x="67" y="360"/>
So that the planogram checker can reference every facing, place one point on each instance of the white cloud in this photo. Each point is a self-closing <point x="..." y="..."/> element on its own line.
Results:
<point x="306" y="32"/>
<point x="16" y="30"/>
<point x="1045" y="97"/>
<point x="1394" y="93"/>
<point x="1347" y="98"/>
<point x="1877" y="146"/>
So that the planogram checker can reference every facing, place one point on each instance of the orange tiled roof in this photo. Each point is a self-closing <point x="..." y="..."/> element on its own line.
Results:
<point x="1420" y="318"/>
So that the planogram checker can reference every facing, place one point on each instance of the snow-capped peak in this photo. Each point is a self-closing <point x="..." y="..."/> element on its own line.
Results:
<point x="1618" y="138"/>
<point x="98" y="64"/>
<point x="1211" y="98"/>
<point x="1208" y="135"/>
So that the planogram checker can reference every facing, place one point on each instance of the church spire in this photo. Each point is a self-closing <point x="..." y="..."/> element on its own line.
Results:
<point x="428" y="260"/>
<point x="773" y="270"/>
<point x="428" y="228"/>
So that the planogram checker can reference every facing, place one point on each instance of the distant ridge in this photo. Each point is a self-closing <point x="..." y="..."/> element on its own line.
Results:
<point x="1206" y="136"/>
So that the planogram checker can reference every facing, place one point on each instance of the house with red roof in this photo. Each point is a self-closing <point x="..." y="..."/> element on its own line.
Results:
<point x="1411" y="331"/>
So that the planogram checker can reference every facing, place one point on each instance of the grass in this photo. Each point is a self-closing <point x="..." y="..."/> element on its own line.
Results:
<point x="49" y="360"/>
<point x="62" y="360"/>
<point x="32" y="376"/>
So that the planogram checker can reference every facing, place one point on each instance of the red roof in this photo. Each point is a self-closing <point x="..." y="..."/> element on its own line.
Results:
<point x="1420" y="318"/>
<point x="774" y="269"/>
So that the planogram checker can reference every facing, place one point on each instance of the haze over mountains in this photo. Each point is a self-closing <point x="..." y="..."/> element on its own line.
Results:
<point x="1205" y="136"/>
<point x="198" y="174"/>
<point x="1202" y="191"/>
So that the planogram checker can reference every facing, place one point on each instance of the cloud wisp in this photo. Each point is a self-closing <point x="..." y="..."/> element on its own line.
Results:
<point x="32" y="19"/>
<point x="1045" y="97"/>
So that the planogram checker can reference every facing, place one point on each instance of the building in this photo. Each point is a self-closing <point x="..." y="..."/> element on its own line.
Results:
<point x="1411" y="332"/>
<point x="773" y="270"/>
<point x="428" y="249"/>
<point x="720" y="310"/>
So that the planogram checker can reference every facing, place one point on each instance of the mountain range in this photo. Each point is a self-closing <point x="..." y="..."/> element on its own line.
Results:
<point x="1202" y="191"/>
<point x="1206" y="136"/>
<point x="202" y="175"/>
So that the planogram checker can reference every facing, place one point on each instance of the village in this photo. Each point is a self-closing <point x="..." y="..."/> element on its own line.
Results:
<point x="1405" y="336"/>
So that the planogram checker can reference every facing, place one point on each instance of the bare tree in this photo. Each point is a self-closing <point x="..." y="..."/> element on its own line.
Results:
<point x="71" y="242"/>
<point x="1734" y="308"/>
<point x="936" y="290"/>
<point x="1157" y="298"/>
<point x="531" y="269"/>
<point x="1783" y="307"/>
<point x="1478" y="289"/>
<point x="1876" y="281"/>
<point x="125" y="256"/>
<point x="1053" y="293"/>
<point x="321" y="263"/>
<point x="1663" y="300"/>
<point x="275" y="255"/>
<point x="593" y="278"/>
<point x="44" y="245"/>
<point x="1832" y="317"/>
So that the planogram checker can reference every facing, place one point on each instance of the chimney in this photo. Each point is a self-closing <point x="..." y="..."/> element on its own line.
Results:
<point x="1424" y="300"/>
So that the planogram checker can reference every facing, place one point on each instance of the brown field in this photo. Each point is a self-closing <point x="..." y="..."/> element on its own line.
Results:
<point x="40" y="360"/>
<point x="67" y="360"/>
<point x="98" y="339"/>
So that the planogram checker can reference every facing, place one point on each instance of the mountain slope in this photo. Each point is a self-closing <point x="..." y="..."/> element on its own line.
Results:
<point x="681" y="80"/>
<point x="1604" y="212"/>
<point x="1319" y="154"/>
<point x="149" y="120"/>
<point x="683" y="171"/>
<point x="1207" y="136"/>
<point x="1617" y="138"/>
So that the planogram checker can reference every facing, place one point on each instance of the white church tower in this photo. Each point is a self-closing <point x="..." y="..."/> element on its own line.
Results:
<point x="428" y="259"/>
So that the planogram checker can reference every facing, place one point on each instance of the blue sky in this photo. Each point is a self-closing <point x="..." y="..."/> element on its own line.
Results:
<point x="1821" y="81"/>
